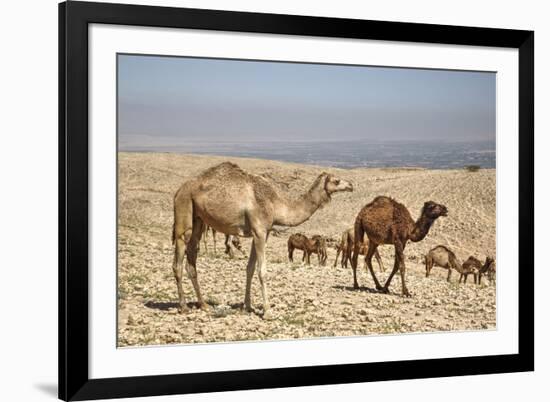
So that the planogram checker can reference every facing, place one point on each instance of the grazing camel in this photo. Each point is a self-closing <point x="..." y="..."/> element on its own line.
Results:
<point x="321" y="250"/>
<point x="489" y="268"/>
<point x="471" y="266"/>
<point x="235" y="242"/>
<point x="441" y="256"/>
<point x="386" y="221"/>
<point x="238" y="203"/>
<point x="299" y="241"/>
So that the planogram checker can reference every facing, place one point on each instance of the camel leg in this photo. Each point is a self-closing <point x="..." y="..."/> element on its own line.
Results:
<point x="368" y="260"/>
<point x="259" y="244"/>
<point x="379" y="260"/>
<point x="399" y="250"/>
<point x="182" y="230"/>
<point x="249" y="274"/>
<point x="177" y="267"/>
<point x="347" y="257"/>
<point x="191" y="265"/>
<point x="429" y="266"/>
<point x="336" y="260"/>
<point x="392" y="273"/>
<point x="449" y="274"/>
<point x="290" y="252"/>
<point x="228" y="250"/>
<point x="354" y="269"/>
<point x="214" y="237"/>
<point x="204" y="236"/>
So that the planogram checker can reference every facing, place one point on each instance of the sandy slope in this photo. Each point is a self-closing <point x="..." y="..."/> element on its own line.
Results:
<point x="307" y="301"/>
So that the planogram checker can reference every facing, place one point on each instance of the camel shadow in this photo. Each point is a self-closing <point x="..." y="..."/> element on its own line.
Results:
<point x="165" y="306"/>
<point x="359" y="289"/>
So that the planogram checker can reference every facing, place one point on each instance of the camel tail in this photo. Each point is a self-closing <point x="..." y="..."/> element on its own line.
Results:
<point x="183" y="215"/>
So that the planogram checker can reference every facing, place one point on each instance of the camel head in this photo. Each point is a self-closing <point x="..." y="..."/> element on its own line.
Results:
<point x="333" y="184"/>
<point x="433" y="210"/>
<point x="489" y="264"/>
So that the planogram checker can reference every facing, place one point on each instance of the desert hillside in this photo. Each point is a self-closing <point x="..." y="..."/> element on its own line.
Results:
<point x="307" y="301"/>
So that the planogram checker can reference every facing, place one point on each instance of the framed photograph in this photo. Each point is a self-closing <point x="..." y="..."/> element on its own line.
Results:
<point x="257" y="200"/>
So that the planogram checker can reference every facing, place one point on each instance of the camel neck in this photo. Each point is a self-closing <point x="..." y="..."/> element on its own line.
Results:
<point x="421" y="228"/>
<point x="297" y="211"/>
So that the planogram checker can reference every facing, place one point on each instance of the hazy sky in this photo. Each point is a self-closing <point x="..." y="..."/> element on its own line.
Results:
<point x="173" y="100"/>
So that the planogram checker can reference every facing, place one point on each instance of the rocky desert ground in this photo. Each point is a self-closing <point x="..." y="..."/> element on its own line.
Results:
<point x="307" y="301"/>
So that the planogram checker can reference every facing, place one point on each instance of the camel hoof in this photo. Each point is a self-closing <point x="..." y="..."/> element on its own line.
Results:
<point x="183" y="310"/>
<point x="384" y="289"/>
<point x="407" y="294"/>
<point x="204" y="307"/>
<point x="356" y="286"/>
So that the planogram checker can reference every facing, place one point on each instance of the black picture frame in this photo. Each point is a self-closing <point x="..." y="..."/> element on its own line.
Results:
<point x="74" y="381"/>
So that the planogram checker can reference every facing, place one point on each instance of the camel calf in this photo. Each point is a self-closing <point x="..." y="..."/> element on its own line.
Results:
<point x="321" y="250"/>
<point x="302" y="242"/>
<point x="441" y="256"/>
<point x="488" y="269"/>
<point x="471" y="266"/>
<point x="232" y="242"/>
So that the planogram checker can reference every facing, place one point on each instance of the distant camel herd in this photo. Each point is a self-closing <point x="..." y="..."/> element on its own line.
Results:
<point x="229" y="200"/>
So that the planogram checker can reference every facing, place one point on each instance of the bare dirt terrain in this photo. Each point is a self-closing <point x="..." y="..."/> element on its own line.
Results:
<point x="307" y="301"/>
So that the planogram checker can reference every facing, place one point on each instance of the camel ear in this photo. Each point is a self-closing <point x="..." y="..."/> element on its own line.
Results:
<point x="327" y="179"/>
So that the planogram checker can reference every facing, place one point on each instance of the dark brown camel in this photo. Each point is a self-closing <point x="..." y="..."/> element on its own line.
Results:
<point x="471" y="266"/>
<point x="386" y="221"/>
<point x="489" y="268"/>
<point x="300" y="241"/>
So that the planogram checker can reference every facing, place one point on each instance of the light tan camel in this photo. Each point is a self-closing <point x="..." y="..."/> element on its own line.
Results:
<point x="386" y="221"/>
<point x="238" y="203"/>
<point x="441" y="256"/>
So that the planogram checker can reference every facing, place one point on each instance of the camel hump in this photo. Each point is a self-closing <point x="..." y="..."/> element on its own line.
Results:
<point x="383" y="200"/>
<point x="223" y="169"/>
<point x="442" y="248"/>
